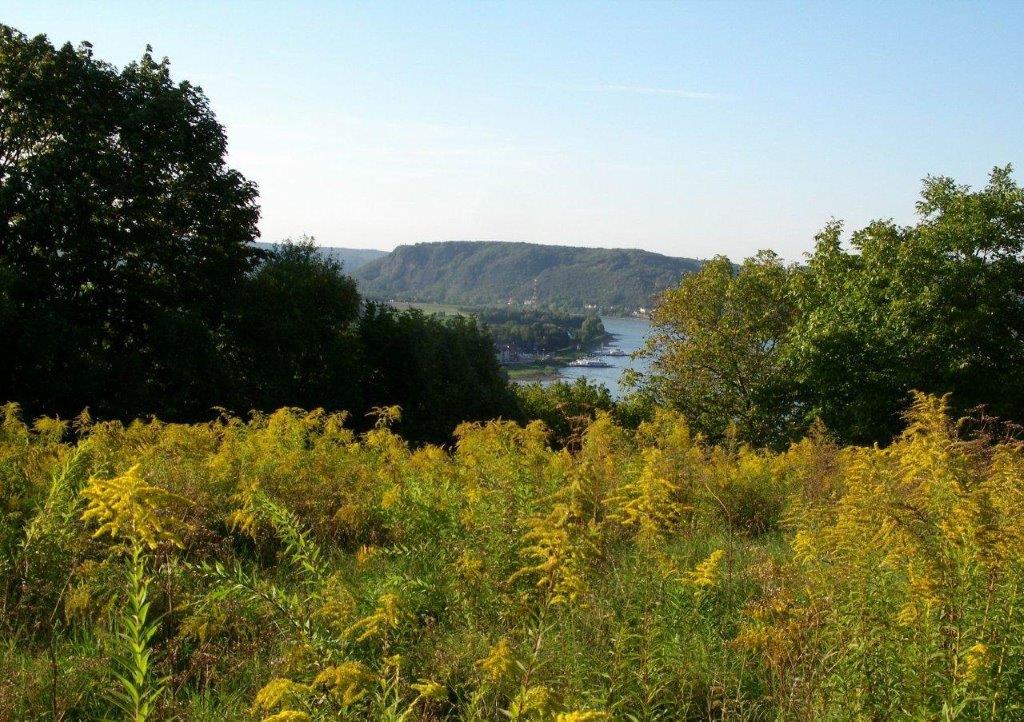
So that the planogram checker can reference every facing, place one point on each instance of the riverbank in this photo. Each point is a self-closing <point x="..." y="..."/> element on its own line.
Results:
<point x="628" y="334"/>
<point x="533" y="374"/>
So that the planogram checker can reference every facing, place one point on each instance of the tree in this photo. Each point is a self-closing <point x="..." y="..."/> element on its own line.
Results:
<point x="847" y="337"/>
<point x="716" y="349"/>
<point x="296" y="333"/>
<point x="935" y="307"/>
<point x="591" y="331"/>
<point x="442" y="371"/>
<point x="123" y="235"/>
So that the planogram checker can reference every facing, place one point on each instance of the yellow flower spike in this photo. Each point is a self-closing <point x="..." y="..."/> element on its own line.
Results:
<point x="976" y="659"/>
<point x="428" y="689"/>
<point x="348" y="680"/>
<point x="390" y="497"/>
<point x="706" y="574"/>
<point x="559" y="556"/>
<point x="364" y="554"/>
<point x="581" y="716"/>
<point x="386" y="616"/>
<point x="126" y="507"/>
<point x="385" y="416"/>
<point x="498" y="661"/>
<point x="469" y="565"/>
<point x="277" y="692"/>
<point x="534" y="699"/>
<point x="803" y="547"/>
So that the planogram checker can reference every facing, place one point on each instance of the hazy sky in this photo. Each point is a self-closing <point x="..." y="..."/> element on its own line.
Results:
<point x="685" y="128"/>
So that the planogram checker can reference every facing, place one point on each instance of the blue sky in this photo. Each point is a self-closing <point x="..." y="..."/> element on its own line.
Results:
<point x="685" y="128"/>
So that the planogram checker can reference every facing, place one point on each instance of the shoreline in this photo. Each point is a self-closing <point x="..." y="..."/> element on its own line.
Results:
<point x="545" y="373"/>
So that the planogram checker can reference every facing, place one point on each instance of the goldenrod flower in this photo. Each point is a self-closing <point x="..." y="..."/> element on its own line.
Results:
<point x="126" y="507"/>
<point x="277" y="692"/>
<point x="348" y="680"/>
<point x="581" y="716"/>
<point x="429" y="689"/>
<point x="386" y="616"/>
<point x="975" y="660"/>
<point x="534" y="699"/>
<point x="706" y="574"/>
<point x="498" y="661"/>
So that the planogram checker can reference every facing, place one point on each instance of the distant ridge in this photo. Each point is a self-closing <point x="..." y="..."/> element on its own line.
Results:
<point x="493" y="273"/>
<point x="350" y="258"/>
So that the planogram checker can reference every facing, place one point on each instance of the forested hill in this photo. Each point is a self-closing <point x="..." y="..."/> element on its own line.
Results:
<point x="487" y="273"/>
<point x="350" y="258"/>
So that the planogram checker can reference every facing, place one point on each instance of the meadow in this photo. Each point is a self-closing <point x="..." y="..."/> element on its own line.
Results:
<point x="284" y="568"/>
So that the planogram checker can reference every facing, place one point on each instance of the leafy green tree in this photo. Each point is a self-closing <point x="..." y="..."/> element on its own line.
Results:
<point x="936" y="307"/>
<point x="296" y="334"/>
<point x="591" y="331"/>
<point x="716" y="348"/>
<point x="123" y="234"/>
<point x="440" y="370"/>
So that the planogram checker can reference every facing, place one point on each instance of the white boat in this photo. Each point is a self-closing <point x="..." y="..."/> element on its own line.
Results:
<point x="590" y="363"/>
<point x="613" y="351"/>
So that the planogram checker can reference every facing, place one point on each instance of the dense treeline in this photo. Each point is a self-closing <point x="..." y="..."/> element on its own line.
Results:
<point x="308" y="341"/>
<point x="764" y="349"/>
<point x="287" y="569"/>
<point x="129" y="285"/>
<point x="541" y="331"/>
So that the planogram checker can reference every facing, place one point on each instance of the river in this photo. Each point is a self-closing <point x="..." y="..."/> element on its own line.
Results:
<point x="628" y="334"/>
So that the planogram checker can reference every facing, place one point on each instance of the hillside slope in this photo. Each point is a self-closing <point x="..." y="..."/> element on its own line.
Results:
<point x="350" y="258"/>
<point x="488" y="273"/>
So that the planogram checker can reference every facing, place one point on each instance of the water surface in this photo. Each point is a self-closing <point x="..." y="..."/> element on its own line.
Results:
<point x="629" y="335"/>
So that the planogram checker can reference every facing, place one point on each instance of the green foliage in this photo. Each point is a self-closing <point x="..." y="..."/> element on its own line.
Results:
<point x="538" y="331"/>
<point x="123" y="234"/>
<point x="296" y="337"/>
<point x="937" y="306"/>
<point x="491" y="274"/>
<point x="138" y="694"/>
<point x="845" y="338"/>
<point x="442" y="371"/>
<point x="717" y="349"/>
<point x="565" y="408"/>
<point x="591" y="331"/>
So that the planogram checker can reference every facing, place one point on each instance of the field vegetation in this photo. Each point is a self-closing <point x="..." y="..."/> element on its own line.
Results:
<point x="285" y="568"/>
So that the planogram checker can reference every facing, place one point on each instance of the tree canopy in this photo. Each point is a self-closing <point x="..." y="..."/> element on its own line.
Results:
<point x="937" y="306"/>
<point x="123" y="236"/>
<point x="717" y="348"/>
<point x="130" y="283"/>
